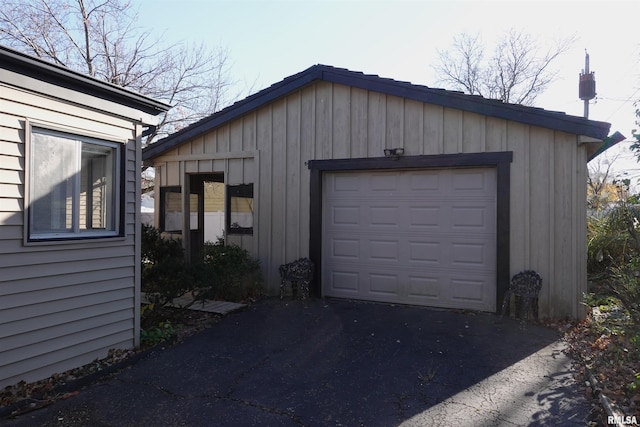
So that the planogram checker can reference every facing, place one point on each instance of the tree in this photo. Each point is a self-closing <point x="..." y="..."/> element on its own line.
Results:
<point x="603" y="189"/>
<point x="517" y="71"/>
<point x="635" y="146"/>
<point x="99" y="38"/>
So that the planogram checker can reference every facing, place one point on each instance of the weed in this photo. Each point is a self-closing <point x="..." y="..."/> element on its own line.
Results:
<point x="430" y="375"/>
<point x="157" y="334"/>
<point x="634" y="386"/>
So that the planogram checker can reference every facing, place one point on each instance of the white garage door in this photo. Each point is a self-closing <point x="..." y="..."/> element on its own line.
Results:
<point x="425" y="237"/>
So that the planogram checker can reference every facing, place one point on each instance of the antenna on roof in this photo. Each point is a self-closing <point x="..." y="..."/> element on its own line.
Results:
<point x="587" y="85"/>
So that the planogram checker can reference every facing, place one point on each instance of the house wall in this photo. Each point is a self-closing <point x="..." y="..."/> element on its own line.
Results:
<point x="63" y="304"/>
<point x="270" y="146"/>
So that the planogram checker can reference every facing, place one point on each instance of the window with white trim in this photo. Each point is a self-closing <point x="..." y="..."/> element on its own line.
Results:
<point x="74" y="186"/>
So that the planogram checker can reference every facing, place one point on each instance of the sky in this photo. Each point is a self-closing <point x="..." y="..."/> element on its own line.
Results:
<point x="270" y="40"/>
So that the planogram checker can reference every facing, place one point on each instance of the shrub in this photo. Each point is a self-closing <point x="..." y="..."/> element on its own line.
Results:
<point x="157" y="334"/>
<point x="226" y="272"/>
<point x="624" y="284"/>
<point x="165" y="274"/>
<point x="609" y="241"/>
<point x="614" y="255"/>
<point x="236" y="274"/>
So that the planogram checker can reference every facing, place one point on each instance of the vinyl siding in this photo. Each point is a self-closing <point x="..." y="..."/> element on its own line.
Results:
<point x="63" y="304"/>
<point x="329" y="121"/>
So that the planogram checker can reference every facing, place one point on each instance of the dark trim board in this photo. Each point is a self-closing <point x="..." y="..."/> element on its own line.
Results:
<point x="500" y="160"/>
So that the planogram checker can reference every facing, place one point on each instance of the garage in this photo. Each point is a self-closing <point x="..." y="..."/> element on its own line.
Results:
<point x="397" y="192"/>
<point x="424" y="237"/>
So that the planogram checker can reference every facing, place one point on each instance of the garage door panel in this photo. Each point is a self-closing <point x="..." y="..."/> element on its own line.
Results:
<point x="383" y="284"/>
<point x="469" y="255"/>
<point x="345" y="184"/>
<point x="468" y="289"/>
<point x="465" y="180"/>
<point x="420" y="237"/>
<point x="427" y="253"/>
<point x="425" y="181"/>
<point x="425" y="217"/>
<point x="385" y="216"/>
<point x="346" y="282"/>
<point x="345" y="215"/>
<point x="470" y="217"/>
<point x="422" y="287"/>
<point x="384" y="250"/>
<point x="472" y="253"/>
<point x="348" y="249"/>
<point x="457" y="292"/>
<point x="383" y="182"/>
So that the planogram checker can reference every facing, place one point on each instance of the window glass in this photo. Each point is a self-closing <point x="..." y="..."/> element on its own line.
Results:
<point x="96" y="188"/>
<point x="171" y="205"/>
<point x="241" y="212"/>
<point x="73" y="186"/>
<point x="194" y="201"/>
<point x="240" y="209"/>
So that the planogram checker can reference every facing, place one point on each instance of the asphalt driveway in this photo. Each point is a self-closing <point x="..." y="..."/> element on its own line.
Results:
<point x="338" y="363"/>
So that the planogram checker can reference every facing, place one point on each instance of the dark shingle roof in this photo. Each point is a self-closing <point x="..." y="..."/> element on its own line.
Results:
<point x="37" y="68"/>
<point x="458" y="100"/>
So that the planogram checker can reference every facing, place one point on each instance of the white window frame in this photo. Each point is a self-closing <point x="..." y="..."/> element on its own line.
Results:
<point x="75" y="232"/>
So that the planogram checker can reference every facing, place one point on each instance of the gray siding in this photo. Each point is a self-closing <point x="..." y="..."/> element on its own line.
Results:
<point x="330" y="121"/>
<point x="62" y="304"/>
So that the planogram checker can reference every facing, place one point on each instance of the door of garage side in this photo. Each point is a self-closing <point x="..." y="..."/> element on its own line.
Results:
<point x="425" y="237"/>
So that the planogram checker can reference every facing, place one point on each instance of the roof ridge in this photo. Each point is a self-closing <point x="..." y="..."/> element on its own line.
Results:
<point x="453" y="99"/>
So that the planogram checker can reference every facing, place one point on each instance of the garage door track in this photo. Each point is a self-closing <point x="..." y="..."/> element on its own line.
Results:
<point x="339" y="363"/>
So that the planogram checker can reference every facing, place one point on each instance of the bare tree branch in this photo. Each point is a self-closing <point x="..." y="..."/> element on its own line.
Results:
<point x="517" y="72"/>
<point x="602" y="191"/>
<point x="100" y="38"/>
<point x="460" y="66"/>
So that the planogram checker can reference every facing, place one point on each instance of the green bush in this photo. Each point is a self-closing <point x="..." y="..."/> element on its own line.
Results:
<point x="609" y="242"/>
<point x="157" y="334"/>
<point x="236" y="274"/>
<point x="614" y="255"/>
<point x="624" y="284"/>
<point x="226" y="272"/>
<point x="165" y="274"/>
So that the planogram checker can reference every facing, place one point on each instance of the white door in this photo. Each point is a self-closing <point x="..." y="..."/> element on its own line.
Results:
<point x="425" y="237"/>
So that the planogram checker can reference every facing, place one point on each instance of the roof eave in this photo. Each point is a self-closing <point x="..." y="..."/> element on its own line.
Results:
<point x="472" y="103"/>
<point x="61" y="76"/>
<point x="238" y="109"/>
<point x="529" y="115"/>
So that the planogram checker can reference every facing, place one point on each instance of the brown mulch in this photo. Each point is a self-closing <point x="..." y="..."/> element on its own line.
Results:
<point x="24" y="397"/>
<point x="606" y="362"/>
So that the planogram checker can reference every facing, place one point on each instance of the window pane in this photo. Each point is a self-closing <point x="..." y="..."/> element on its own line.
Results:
<point x="54" y="163"/>
<point x="241" y="212"/>
<point x="172" y="210"/>
<point x="97" y="196"/>
<point x="194" y="201"/>
<point x="73" y="186"/>
<point x="240" y="209"/>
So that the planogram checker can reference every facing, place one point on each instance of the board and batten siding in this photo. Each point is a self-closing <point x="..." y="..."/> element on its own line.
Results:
<point x="63" y="304"/>
<point x="324" y="120"/>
